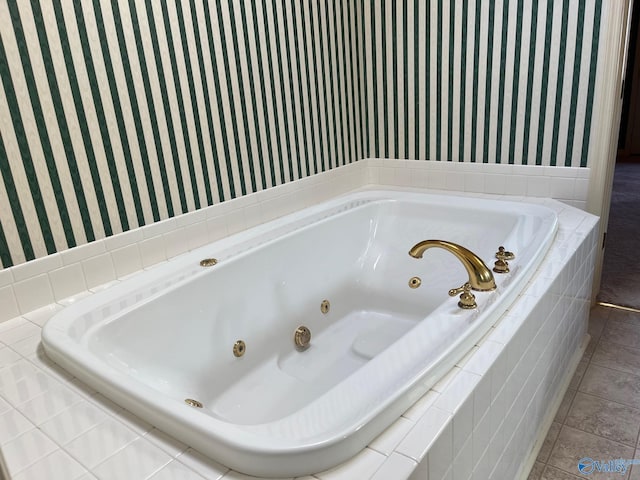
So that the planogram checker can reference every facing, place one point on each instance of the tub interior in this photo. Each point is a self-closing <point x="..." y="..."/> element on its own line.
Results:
<point x="179" y="342"/>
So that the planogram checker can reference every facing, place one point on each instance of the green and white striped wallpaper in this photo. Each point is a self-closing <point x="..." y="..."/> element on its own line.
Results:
<point x="116" y="114"/>
<point x="493" y="81"/>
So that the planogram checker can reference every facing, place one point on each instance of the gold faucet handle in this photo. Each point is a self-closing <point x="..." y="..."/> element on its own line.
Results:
<point x="503" y="254"/>
<point x="455" y="291"/>
<point x="467" y="299"/>
<point x="501" y="266"/>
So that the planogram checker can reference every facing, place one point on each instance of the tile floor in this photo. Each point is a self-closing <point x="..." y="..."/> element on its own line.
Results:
<point x="600" y="414"/>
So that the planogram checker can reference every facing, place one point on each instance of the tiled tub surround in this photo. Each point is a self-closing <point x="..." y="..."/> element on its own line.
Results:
<point x="485" y="414"/>
<point x="58" y="277"/>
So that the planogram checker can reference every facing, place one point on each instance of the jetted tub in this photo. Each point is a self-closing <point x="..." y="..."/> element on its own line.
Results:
<point x="172" y="333"/>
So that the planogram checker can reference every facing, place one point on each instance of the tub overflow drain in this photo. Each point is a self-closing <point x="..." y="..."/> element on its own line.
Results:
<point x="415" y="282"/>
<point x="193" y="403"/>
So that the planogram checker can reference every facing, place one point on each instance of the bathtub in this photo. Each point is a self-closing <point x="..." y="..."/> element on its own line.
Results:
<point x="207" y="353"/>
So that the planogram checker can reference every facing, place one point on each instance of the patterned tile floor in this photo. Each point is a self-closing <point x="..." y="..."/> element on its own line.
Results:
<point x="599" y="416"/>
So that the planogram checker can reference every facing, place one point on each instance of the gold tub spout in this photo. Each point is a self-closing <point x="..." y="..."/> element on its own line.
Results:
<point x="480" y="277"/>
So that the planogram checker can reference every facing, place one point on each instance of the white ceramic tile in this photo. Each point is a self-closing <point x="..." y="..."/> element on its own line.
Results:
<point x="87" y="476"/>
<point x="175" y="243"/>
<point x="362" y="465"/>
<point x="497" y="443"/>
<point x="166" y="442"/>
<point x="81" y="388"/>
<point x="12" y="425"/>
<point x="83" y="252"/>
<point x="40" y="360"/>
<point x="386" y="175"/>
<point x="56" y="466"/>
<point x="33" y="293"/>
<point x="98" y="270"/>
<point x="53" y="401"/>
<point x="152" y="251"/>
<point x="464" y="360"/>
<point x="463" y="461"/>
<point x="419" y="178"/>
<point x="27" y="387"/>
<point x="139" y="459"/>
<point x="481" y="436"/>
<point x="9" y="304"/>
<point x="442" y="384"/>
<point x="395" y="466"/>
<point x="216" y="228"/>
<point x="25" y="450"/>
<point x="34" y="268"/>
<point x="176" y="471"/>
<point x="474" y="182"/>
<point x="418" y="409"/>
<point x="454" y="181"/>
<point x="132" y="421"/>
<point x="562" y="188"/>
<point x="126" y="260"/>
<point x="101" y="442"/>
<point x="197" y="235"/>
<point x="41" y="315"/>
<point x="462" y="424"/>
<point x="27" y="346"/>
<point x="209" y="469"/>
<point x="12" y="323"/>
<point x="481" y="398"/>
<point x="440" y="454"/>
<point x="388" y="440"/>
<point x="233" y="475"/>
<point x="403" y="177"/>
<point x="516" y="185"/>
<point x="437" y="180"/>
<point x="581" y="189"/>
<point x="65" y="302"/>
<point x="26" y="329"/>
<point x="190" y="218"/>
<point x="538" y="186"/>
<point x="7" y="356"/>
<point x="420" y="438"/>
<point x="421" y="472"/>
<point x="457" y="391"/>
<point x="483" y="468"/>
<point x="124" y="239"/>
<point x="484" y="357"/>
<point x="67" y="281"/>
<point x="73" y="422"/>
<point x="6" y="277"/>
<point x="16" y="371"/>
<point x="252" y="215"/>
<point x="495" y="184"/>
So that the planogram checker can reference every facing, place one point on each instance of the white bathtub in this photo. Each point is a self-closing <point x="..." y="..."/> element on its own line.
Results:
<point x="168" y="334"/>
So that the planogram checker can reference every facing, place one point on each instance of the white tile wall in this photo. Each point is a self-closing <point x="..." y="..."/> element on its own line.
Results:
<point x="470" y="425"/>
<point x="41" y="282"/>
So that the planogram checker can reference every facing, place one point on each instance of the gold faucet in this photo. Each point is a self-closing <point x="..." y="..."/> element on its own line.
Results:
<point x="480" y="277"/>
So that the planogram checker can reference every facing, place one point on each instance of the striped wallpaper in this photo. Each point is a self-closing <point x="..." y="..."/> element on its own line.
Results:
<point x="493" y="81"/>
<point x="116" y="114"/>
